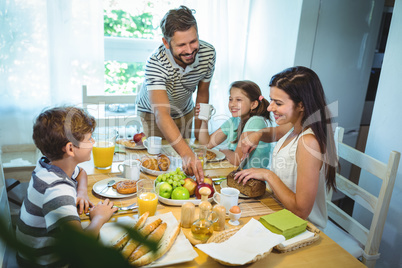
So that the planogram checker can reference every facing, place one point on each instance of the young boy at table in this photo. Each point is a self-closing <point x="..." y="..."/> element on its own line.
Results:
<point x="304" y="158"/>
<point x="63" y="135"/>
<point x="249" y="113"/>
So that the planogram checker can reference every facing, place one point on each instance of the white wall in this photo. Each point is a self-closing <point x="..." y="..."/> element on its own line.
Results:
<point x="385" y="135"/>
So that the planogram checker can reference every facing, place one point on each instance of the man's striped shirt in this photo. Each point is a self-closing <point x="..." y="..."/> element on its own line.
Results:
<point x="163" y="73"/>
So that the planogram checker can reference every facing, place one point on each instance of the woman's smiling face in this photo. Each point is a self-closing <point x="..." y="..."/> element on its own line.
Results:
<point x="283" y="108"/>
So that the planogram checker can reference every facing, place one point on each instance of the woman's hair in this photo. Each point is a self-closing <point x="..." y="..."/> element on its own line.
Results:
<point x="55" y="127"/>
<point x="180" y="19"/>
<point x="303" y="86"/>
<point x="253" y="93"/>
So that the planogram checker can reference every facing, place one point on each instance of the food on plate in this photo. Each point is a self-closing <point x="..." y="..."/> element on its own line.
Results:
<point x="165" y="189"/>
<point x="199" y="186"/>
<point x="180" y="193"/>
<point x="139" y="138"/>
<point x="127" y="143"/>
<point x="150" y="163"/>
<point x="138" y="254"/>
<point x="235" y="209"/>
<point x="132" y="244"/>
<point x="252" y="188"/>
<point x="174" y="178"/>
<point x="210" y="155"/>
<point x="125" y="187"/>
<point x="120" y="243"/>
<point x="163" y="162"/>
<point x="190" y="185"/>
<point x="155" y="236"/>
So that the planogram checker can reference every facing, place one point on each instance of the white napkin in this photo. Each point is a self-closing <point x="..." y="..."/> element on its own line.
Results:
<point x="251" y="240"/>
<point x="306" y="234"/>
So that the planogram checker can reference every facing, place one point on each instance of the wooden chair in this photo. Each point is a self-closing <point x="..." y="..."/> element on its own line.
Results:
<point x="4" y="216"/>
<point x="125" y="122"/>
<point x="358" y="240"/>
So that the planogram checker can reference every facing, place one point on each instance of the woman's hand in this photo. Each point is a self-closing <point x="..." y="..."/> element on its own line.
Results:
<point x="244" y="175"/>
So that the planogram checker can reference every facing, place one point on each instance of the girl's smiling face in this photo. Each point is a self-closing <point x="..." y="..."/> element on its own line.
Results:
<point x="239" y="104"/>
<point x="283" y="108"/>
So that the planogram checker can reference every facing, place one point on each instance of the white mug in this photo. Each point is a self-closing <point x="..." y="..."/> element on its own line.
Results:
<point x="130" y="169"/>
<point x="206" y="111"/>
<point x="228" y="197"/>
<point x="153" y="144"/>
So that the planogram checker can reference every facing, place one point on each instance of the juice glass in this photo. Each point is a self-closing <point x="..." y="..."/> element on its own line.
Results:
<point x="103" y="149"/>
<point x="147" y="197"/>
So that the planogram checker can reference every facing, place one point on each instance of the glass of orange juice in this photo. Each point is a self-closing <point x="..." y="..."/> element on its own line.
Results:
<point x="147" y="198"/>
<point x="103" y="149"/>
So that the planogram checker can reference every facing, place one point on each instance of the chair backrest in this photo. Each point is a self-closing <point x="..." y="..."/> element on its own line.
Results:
<point x="128" y="119"/>
<point x="378" y="205"/>
<point x="5" y="212"/>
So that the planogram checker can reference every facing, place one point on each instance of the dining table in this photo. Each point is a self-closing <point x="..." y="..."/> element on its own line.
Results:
<point x="323" y="252"/>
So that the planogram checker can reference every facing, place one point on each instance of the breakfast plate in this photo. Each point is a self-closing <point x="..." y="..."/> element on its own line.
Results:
<point x="219" y="156"/>
<point x="130" y="144"/>
<point x="155" y="172"/>
<point x="110" y="192"/>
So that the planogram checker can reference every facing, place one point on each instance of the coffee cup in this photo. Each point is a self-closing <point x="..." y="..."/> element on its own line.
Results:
<point x="228" y="197"/>
<point x="153" y="144"/>
<point x="130" y="169"/>
<point x="206" y="111"/>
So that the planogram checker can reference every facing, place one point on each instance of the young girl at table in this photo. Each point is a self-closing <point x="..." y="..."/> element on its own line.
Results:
<point x="304" y="159"/>
<point x="249" y="113"/>
<point x="63" y="135"/>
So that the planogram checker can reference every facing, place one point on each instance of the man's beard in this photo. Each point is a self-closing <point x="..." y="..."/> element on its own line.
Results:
<point x="179" y="57"/>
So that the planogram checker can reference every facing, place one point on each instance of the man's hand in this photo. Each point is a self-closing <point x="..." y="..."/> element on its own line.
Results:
<point x="193" y="167"/>
<point x="250" y="142"/>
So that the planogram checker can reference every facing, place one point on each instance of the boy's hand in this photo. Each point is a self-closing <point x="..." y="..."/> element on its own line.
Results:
<point x="83" y="203"/>
<point x="103" y="211"/>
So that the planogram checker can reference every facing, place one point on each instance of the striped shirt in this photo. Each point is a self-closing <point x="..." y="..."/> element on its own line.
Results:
<point x="50" y="201"/>
<point x="163" y="73"/>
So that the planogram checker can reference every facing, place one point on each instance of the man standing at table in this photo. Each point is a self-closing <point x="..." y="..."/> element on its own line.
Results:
<point x="182" y="65"/>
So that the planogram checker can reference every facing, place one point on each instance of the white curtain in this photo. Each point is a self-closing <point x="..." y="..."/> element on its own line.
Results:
<point x="48" y="49"/>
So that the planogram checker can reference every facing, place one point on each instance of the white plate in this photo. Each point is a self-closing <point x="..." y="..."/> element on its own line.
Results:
<point x="224" y="184"/>
<point x="156" y="172"/>
<point x="110" y="192"/>
<point x="137" y="147"/>
<point x="219" y="156"/>
<point x="174" y="202"/>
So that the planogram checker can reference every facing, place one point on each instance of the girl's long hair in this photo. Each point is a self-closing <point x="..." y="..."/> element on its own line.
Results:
<point x="303" y="85"/>
<point x="253" y="93"/>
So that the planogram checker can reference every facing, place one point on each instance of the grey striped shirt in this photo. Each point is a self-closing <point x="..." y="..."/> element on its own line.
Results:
<point x="163" y="73"/>
<point x="50" y="201"/>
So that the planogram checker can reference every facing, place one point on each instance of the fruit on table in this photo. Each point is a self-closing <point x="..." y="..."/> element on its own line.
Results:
<point x="165" y="189"/>
<point x="208" y="180"/>
<point x="190" y="185"/>
<point x="139" y="138"/>
<point x="180" y="193"/>
<point x="174" y="178"/>
<point x="199" y="186"/>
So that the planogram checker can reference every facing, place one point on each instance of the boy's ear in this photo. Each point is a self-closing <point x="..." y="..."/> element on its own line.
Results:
<point x="68" y="149"/>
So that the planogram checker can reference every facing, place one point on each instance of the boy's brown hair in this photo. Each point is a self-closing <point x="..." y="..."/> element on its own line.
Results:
<point x="55" y="127"/>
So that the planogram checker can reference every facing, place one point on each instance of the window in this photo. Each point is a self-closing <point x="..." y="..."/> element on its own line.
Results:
<point x="131" y="33"/>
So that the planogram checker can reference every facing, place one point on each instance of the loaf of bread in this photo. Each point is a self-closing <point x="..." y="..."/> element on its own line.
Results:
<point x="252" y="188"/>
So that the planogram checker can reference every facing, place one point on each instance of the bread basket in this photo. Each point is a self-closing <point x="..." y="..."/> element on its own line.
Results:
<point x="225" y="235"/>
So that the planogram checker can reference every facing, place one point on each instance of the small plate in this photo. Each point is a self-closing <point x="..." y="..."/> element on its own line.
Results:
<point x="136" y="147"/>
<point x="224" y="184"/>
<point x="219" y="156"/>
<point x="155" y="172"/>
<point x="110" y="192"/>
<point x="174" y="202"/>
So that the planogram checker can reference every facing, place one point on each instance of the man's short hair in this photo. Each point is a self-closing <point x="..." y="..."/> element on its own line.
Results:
<point x="55" y="127"/>
<point x="180" y="19"/>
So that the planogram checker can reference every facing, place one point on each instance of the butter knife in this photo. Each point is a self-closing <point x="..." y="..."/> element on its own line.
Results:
<point x="242" y="163"/>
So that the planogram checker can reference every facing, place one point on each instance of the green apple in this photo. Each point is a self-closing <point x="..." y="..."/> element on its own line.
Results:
<point x="165" y="189"/>
<point x="180" y="193"/>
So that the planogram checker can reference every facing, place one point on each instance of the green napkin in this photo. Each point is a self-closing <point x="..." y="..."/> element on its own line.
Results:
<point x="285" y="223"/>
